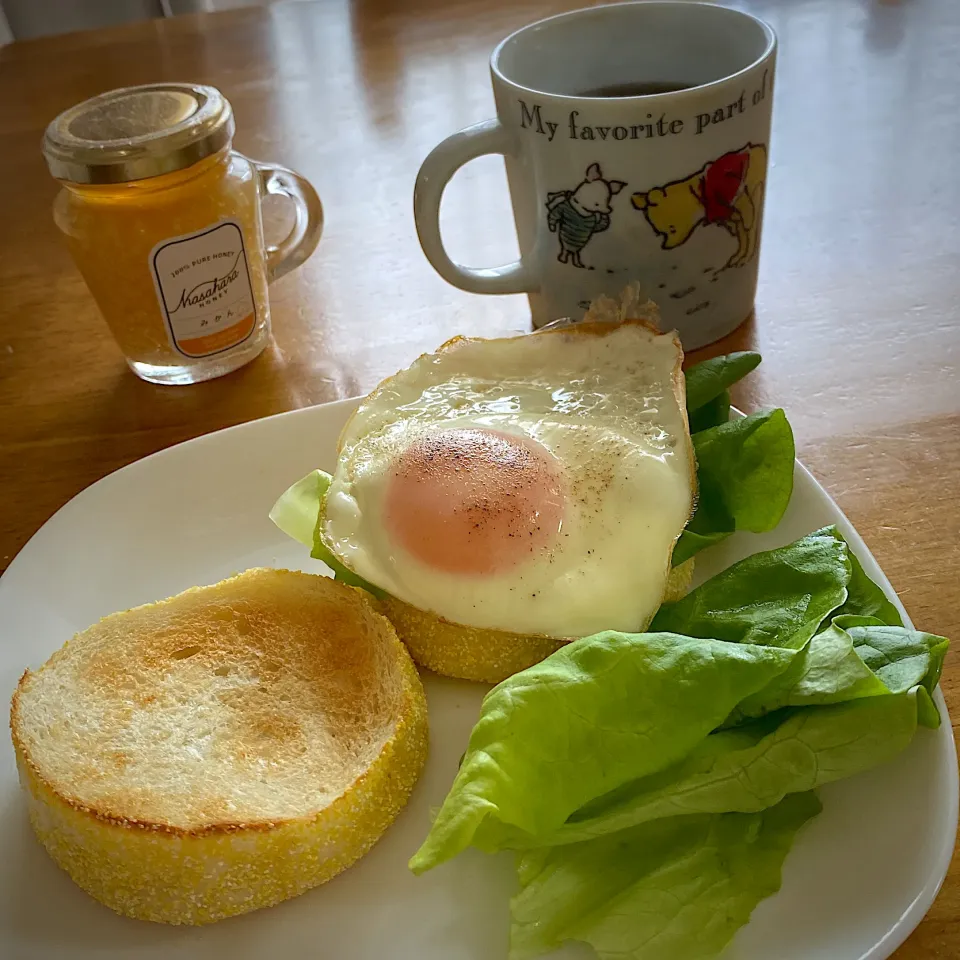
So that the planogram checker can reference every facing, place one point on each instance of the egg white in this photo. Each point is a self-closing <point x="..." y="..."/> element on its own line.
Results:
<point x="607" y="403"/>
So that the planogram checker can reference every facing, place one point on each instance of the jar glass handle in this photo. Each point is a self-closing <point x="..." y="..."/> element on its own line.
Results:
<point x="302" y="239"/>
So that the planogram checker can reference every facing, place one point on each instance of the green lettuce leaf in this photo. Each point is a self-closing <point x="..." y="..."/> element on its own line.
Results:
<point x="758" y="457"/>
<point x="899" y="656"/>
<point x="653" y="783"/>
<point x="749" y="768"/>
<point x="862" y="716"/>
<point x="710" y="379"/>
<point x="778" y="597"/>
<point x="677" y="889"/>
<point x="928" y="714"/>
<point x="598" y="713"/>
<point x="865" y="598"/>
<point x="297" y="510"/>
<point x="711" y="414"/>
<point x="827" y="670"/>
<point x="745" y="478"/>
<point x="297" y="513"/>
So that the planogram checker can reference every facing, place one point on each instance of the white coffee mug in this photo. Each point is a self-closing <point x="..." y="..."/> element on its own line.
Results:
<point x="636" y="140"/>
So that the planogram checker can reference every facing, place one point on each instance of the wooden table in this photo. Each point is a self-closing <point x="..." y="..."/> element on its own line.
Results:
<point x="858" y="313"/>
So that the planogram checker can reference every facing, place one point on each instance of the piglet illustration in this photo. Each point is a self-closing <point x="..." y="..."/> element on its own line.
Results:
<point x="576" y="215"/>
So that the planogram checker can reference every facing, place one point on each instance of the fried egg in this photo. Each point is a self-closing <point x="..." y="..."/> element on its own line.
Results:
<point x="535" y="484"/>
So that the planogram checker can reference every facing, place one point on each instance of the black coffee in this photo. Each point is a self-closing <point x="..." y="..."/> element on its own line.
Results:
<point x="641" y="88"/>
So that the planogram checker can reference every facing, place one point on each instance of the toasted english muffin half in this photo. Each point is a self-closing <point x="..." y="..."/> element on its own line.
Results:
<point x="475" y="653"/>
<point x="222" y="750"/>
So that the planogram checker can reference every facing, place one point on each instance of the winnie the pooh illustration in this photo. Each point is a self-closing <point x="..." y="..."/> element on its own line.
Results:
<point x="727" y="191"/>
<point x="576" y="215"/>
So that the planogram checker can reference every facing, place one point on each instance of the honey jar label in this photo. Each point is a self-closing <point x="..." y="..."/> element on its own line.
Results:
<point x="203" y="287"/>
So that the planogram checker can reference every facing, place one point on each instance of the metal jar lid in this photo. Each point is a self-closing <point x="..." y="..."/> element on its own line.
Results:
<point x="138" y="132"/>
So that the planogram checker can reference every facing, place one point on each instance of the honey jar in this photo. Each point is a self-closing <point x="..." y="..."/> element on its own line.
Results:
<point x="163" y="219"/>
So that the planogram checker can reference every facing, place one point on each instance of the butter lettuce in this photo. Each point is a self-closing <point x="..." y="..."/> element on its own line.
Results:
<point x="677" y="889"/>
<point x="652" y="784"/>
<point x="777" y="597"/>
<point x="745" y="479"/>
<point x="573" y="738"/>
<point x="597" y="714"/>
<point x="901" y="658"/>
<point x="854" y="657"/>
<point x="711" y="414"/>
<point x="754" y="766"/>
<point x="866" y="599"/>
<point x="744" y="466"/>
<point x="708" y="396"/>
<point x="710" y="379"/>
<point x="298" y="513"/>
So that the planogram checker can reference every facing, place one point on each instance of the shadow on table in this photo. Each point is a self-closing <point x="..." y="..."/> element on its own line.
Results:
<point x="136" y="418"/>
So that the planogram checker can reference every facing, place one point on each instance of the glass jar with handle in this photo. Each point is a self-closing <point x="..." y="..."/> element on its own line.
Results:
<point x="163" y="220"/>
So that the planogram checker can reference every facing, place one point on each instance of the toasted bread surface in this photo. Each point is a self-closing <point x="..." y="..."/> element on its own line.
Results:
<point x="222" y="750"/>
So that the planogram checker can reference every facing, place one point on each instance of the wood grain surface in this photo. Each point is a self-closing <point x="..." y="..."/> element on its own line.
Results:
<point x="857" y="317"/>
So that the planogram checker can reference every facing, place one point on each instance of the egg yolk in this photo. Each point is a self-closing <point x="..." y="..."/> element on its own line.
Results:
<point x="474" y="500"/>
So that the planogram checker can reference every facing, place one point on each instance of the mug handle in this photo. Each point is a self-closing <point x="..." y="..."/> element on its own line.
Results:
<point x="441" y="164"/>
<point x="303" y="238"/>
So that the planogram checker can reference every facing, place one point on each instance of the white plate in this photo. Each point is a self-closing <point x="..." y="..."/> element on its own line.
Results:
<point x="860" y="879"/>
